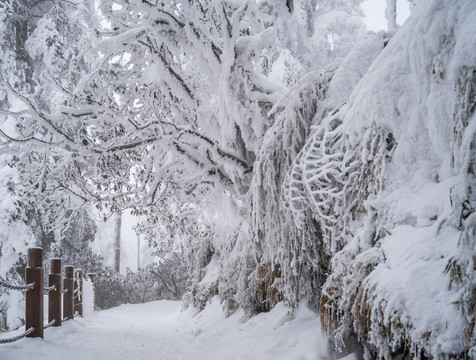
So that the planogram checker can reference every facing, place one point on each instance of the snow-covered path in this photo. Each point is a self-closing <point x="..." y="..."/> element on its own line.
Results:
<point x="160" y="331"/>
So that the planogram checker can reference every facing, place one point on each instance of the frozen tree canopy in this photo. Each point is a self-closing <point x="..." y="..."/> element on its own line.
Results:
<point x="274" y="151"/>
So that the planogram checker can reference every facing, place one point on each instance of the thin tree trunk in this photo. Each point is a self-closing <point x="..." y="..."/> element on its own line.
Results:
<point x="290" y="5"/>
<point x="391" y="15"/>
<point x="138" y="252"/>
<point x="117" y="242"/>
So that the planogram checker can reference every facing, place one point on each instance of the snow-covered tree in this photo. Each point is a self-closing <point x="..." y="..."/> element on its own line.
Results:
<point x="388" y="176"/>
<point x="35" y="50"/>
<point x="207" y="89"/>
<point x="184" y="100"/>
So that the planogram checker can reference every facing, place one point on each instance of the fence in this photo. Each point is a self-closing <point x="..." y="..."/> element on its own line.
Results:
<point x="67" y="294"/>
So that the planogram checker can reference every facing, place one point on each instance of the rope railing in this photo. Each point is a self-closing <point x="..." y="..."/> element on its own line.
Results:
<point x="16" y="338"/>
<point x="64" y="295"/>
<point x="16" y="286"/>
<point x="50" y="288"/>
<point x="50" y="324"/>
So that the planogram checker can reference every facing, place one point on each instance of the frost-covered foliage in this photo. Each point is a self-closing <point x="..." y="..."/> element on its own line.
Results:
<point x="177" y="101"/>
<point x="33" y="209"/>
<point x="165" y="279"/>
<point x="216" y="97"/>
<point x="15" y="235"/>
<point x="389" y="177"/>
<point x="44" y="50"/>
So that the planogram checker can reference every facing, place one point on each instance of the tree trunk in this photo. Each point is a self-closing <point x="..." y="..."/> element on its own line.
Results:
<point x="290" y="5"/>
<point x="117" y="242"/>
<point x="391" y="15"/>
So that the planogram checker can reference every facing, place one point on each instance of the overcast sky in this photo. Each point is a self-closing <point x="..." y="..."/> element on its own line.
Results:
<point x="375" y="13"/>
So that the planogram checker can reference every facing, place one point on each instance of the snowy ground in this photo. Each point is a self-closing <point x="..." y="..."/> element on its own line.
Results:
<point x="161" y="331"/>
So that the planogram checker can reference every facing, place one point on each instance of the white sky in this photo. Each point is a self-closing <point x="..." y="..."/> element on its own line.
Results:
<point x="104" y="243"/>
<point x="374" y="11"/>
<point x="129" y="245"/>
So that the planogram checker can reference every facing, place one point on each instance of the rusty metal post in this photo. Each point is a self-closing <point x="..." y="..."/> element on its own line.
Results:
<point x="54" y="296"/>
<point x="34" y="297"/>
<point x="78" y="291"/>
<point x="68" y="293"/>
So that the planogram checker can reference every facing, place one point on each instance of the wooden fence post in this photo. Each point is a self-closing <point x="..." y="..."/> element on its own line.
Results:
<point x="54" y="296"/>
<point x="34" y="297"/>
<point x="68" y="293"/>
<point x="78" y="292"/>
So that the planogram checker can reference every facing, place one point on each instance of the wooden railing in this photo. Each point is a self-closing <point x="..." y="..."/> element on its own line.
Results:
<point x="70" y="289"/>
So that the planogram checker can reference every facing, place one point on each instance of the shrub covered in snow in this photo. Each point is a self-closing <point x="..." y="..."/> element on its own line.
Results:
<point x="164" y="280"/>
